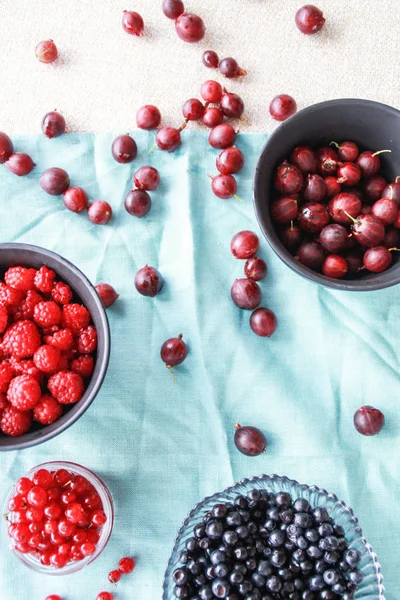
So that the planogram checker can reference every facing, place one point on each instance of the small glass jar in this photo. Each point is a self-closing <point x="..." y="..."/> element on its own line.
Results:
<point x="32" y="561"/>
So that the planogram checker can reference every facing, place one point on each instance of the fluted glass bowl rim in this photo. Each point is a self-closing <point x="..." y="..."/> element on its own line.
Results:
<point x="264" y="479"/>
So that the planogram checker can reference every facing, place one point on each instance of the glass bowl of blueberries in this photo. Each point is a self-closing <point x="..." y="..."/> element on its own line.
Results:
<point x="270" y="538"/>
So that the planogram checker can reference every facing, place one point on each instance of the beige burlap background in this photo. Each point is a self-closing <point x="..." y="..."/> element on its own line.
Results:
<point x="103" y="75"/>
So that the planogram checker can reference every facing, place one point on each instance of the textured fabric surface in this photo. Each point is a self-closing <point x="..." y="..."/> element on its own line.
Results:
<point x="104" y="75"/>
<point x="162" y="447"/>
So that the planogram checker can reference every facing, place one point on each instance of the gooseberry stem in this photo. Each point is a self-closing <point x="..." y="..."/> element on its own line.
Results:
<point x="350" y="217"/>
<point x="380" y="152"/>
<point x="335" y="144"/>
<point x="152" y="149"/>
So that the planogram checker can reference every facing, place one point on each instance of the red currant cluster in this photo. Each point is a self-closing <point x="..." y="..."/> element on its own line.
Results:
<point x="56" y="516"/>
<point x="47" y="349"/>
<point x="246" y="292"/>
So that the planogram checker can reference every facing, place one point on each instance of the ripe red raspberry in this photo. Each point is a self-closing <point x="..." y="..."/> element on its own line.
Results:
<point x="44" y="280"/>
<point x="47" y="314"/>
<point x="3" y="318"/>
<point x="47" y="410"/>
<point x="20" y="278"/>
<point x="21" y="339"/>
<point x="9" y="297"/>
<point x="75" y="317"/>
<point x="83" y="365"/>
<point x="25" y="367"/>
<point x="47" y="359"/>
<point x="3" y="402"/>
<point x="25" y="309"/>
<point x="66" y="387"/>
<point x="63" y="365"/>
<point x="24" y="392"/>
<point x="14" y="422"/>
<point x="61" y="293"/>
<point x="87" y="340"/>
<point x="6" y="374"/>
<point x="62" y="339"/>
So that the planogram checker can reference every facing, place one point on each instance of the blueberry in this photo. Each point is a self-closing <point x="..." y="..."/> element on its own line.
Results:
<point x="251" y="551"/>
<point x="338" y="588"/>
<point x="301" y="505"/>
<point x="339" y="531"/>
<point x="352" y="557"/>
<point x="283" y="526"/>
<point x="271" y="499"/>
<point x="273" y="513"/>
<point x="332" y="542"/>
<point x="301" y="542"/>
<point x="299" y="584"/>
<point x="240" y="553"/>
<point x="251" y="564"/>
<point x="242" y="532"/>
<point x="288" y="588"/>
<point x="274" y="584"/>
<point x="287" y="515"/>
<point x="204" y="543"/>
<point x="217" y="557"/>
<point x="308" y="595"/>
<point x="245" y="515"/>
<point x="254" y="495"/>
<point x="295" y="596"/>
<point x="182" y="591"/>
<point x="331" y="577"/>
<point x="252" y="527"/>
<point x="233" y="519"/>
<point x="320" y="566"/>
<point x="232" y="597"/>
<point x="355" y="577"/>
<point x="323" y="544"/>
<point x="303" y="520"/>
<point x="316" y="583"/>
<point x="221" y="570"/>
<point x="347" y="596"/>
<point x="219" y="511"/>
<point x="227" y="552"/>
<point x="241" y="502"/>
<point x="230" y="537"/>
<point x="205" y="592"/>
<point x="267" y="552"/>
<point x="236" y="577"/>
<point x="276" y="538"/>
<point x="267" y="597"/>
<point x="278" y="558"/>
<point x="321" y="514"/>
<point x="312" y="535"/>
<point x="200" y="580"/>
<point x="260" y="546"/>
<point x="255" y="595"/>
<point x="270" y="524"/>
<point x="293" y="568"/>
<point x="194" y="567"/>
<point x="327" y="595"/>
<point x="257" y="514"/>
<point x="203" y="561"/>
<point x="343" y="566"/>
<point x="207" y="517"/>
<point x="285" y="574"/>
<point x="325" y="529"/>
<point x="258" y="580"/>
<point x="199" y="530"/>
<point x="210" y="572"/>
<point x="191" y="545"/>
<point x="181" y="576"/>
<point x="293" y="531"/>
<point x="183" y="557"/>
<point x="264" y="568"/>
<point x="245" y="587"/>
<point x="343" y="543"/>
<point x="220" y="588"/>
<point x="331" y="557"/>
<point x="298" y="556"/>
<point x="240" y="568"/>
<point x="214" y="529"/>
<point x="314" y="552"/>
<point x="306" y="566"/>
<point x="289" y="545"/>
<point x="283" y="499"/>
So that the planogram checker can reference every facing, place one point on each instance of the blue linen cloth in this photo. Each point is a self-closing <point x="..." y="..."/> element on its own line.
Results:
<point x="162" y="447"/>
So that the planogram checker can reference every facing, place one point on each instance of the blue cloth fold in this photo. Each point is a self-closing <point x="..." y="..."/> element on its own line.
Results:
<point x="162" y="447"/>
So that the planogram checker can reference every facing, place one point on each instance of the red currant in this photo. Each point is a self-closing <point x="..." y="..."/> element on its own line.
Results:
<point x="19" y="516"/>
<point x="50" y="526"/>
<point x="92" y="535"/>
<point x="104" y="596"/>
<point x="21" y="533"/>
<point x="23" y="486"/>
<point x="126" y="565"/>
<point x="53" y="597"/>
<point x="37" y="496"/>
<point x="92" y="501"/>
<point x="74" y="512"/>
<point x="58" y="560"/>
<point x="87" y="548"/>
<point x="53" y="494"/>
<point x="98" y="518"/>
<point x="66" y="528"/>
<point x="80" y="536"/>
<point x="22" y="547"/>
<point x="35" y="540"/>
<point x="114" y="576"/>
<point x="64" y="549"/>
<point x="53" y="510"/>
<point x="43" y="478"/>
<point x="36" y="527"/>
<point x="62" y="477"/>
<point x="79" y="484"/>
<point x="45" y="558"/>
<point x="16" y="502"/>
<point x="68" y="497"/>
<point x="34" y="514"/>
<point x="56" y="538"/>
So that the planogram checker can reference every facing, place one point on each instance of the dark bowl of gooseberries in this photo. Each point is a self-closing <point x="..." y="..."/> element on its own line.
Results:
<point x="190" y="539"/>
<point x="325" y="192"/>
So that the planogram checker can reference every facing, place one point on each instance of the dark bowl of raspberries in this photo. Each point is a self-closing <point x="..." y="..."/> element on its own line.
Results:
<point x="55" y="345"/>
<point x="327" y="194"/>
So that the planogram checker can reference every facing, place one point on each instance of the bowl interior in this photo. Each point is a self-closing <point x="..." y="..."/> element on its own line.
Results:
<point x="372" y="586"/>
<point x="33" y="256"/>
<point x="372" y="126"/>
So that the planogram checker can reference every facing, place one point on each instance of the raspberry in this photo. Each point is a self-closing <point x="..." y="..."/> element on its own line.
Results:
<point x="66" y="387"/>
<point x="3" y="402"/>
<point x="25" y="309"/>
<point x="61" y="293"/>
<point x="44" y="280"/>
<point x="14" y="422"/>
<point x="20" y="278"/>
<point x="76" y="317"/>
<point x="83" y="365"/>
<point x="47" y="410"/>
<point x="63" y="365"/>
<point x="25" y="367"/>
<point x="21" y="339"/>
<point x="47" y="314"/>
<point x="6" y="374"/>
<point x="24" y="392"/>
<point x="9" y="297"/>
<point x="3" y="318"/>
<point x="47" y="358"/>
<point x="87" y="340"/>
<point x="62" y="339"/>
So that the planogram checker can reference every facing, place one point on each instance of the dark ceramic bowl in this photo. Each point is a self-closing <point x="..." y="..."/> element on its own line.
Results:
<point x="371" y="125"/>
<point x="33" y="256"/>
